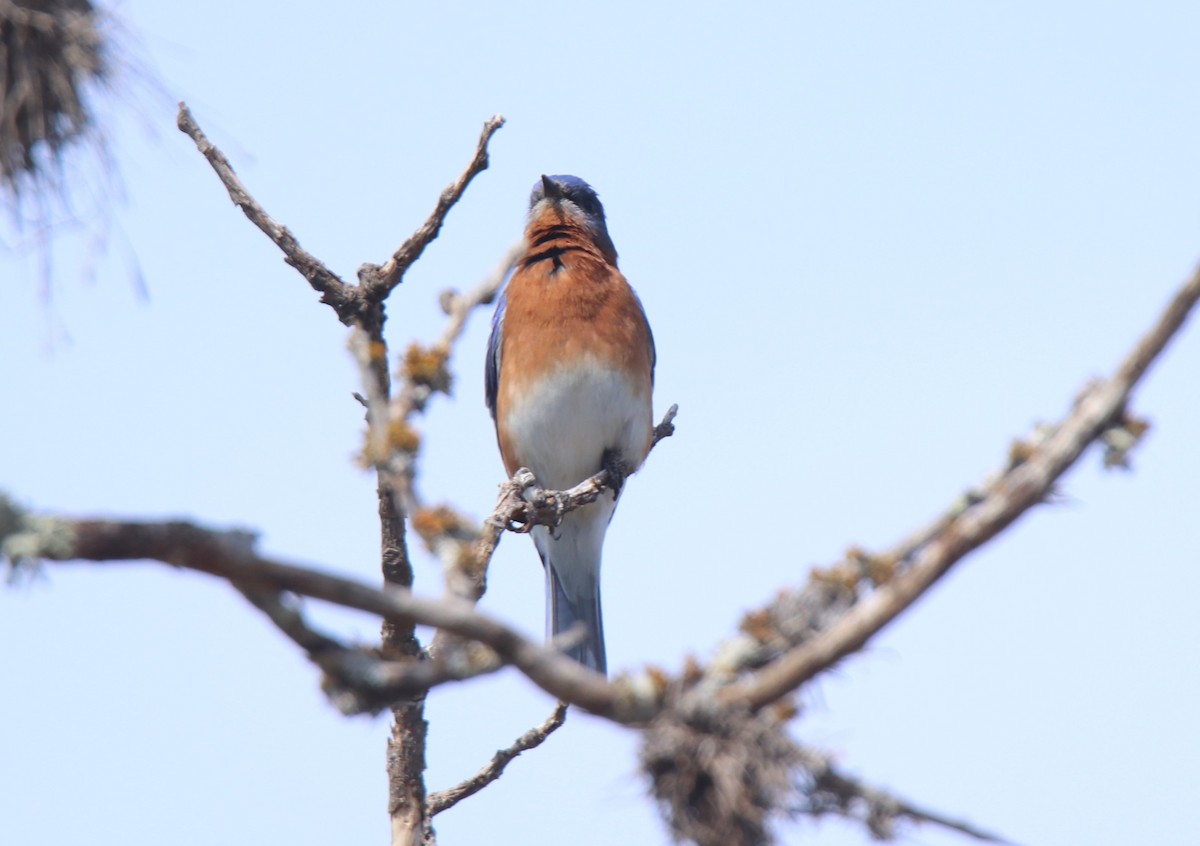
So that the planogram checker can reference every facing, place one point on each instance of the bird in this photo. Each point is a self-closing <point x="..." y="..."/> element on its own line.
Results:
<point x="569" y="379"/>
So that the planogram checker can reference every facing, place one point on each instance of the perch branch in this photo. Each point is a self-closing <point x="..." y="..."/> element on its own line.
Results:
<point x="523" y="506"/>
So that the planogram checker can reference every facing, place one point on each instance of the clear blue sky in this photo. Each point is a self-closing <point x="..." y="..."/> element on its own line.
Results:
<point x="876" y="242"/>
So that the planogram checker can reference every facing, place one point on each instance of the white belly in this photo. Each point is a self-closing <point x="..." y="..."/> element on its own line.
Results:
<point x="562" y="426"/>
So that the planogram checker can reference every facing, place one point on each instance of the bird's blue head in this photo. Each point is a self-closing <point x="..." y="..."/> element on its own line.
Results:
<point x="578" y="199"/>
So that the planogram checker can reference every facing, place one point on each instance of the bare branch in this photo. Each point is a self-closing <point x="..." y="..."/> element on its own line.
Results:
<point x="828" y="791"/>
<point x="459" y="306"/>
<point x="382" y="451"/>
<point x="288" y="618"/>
<point x="444" y="799"/>
<point x="1025" y="483"/>
<point x="343" y="298"/>
<point x="230" y="555"/>
<point x="377" y="281"/>
<point x="666" y="428"/>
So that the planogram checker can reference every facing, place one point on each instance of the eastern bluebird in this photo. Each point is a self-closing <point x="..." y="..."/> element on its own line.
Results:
<point x="570" y="371"/>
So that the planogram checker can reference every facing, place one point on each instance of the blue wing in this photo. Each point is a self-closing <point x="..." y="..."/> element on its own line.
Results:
<point x="649" y="335"/>
<point x="491" y="368"/>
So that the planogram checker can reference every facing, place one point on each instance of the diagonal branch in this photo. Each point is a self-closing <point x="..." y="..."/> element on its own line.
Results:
<point x="377" y="281"/>
<point x="826" y="790"/>
<point x="1026" y="483"/>
<point x="357" y="679"/>
<point x="343" y="298"/>
<point x="459" y="306"/>
<point x="444" y="799"/>
<point x="290" y="621"/>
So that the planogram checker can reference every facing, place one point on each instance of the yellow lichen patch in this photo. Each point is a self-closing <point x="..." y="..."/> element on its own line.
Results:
<point x="758" y="625"/>
<point x="874" y="568"/>
<point x="880" y="569"/>
<point x="402" y="437"/>
<point x="1136" y="426"/>
<point x="427" y="366"/>
<point x="436" y="522"/>
<point x="658" y="676"/>
<point x="373" y="452"/>
<point x="1019" y="453"/>
<point x="840" y="575"/>
<point x="1122" y="437"/>
<point x="467" y="560"/>
<point x="784" y="710"/>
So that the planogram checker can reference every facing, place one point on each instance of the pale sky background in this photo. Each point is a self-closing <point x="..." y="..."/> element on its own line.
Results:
<point x="876" y="242"/>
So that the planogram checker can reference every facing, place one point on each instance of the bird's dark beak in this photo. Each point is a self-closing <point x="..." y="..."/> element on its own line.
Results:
<point x="551" y="189"/>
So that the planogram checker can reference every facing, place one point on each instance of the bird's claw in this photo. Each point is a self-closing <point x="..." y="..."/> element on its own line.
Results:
<point x="617" y="470"/>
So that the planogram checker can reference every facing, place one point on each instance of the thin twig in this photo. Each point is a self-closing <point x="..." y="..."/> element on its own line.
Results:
<point x="367" y="356"/>
<point x="377" y="281"/>
<point x="666" y="428"/>
<point x="290" y="621"/>
<point x="444" y="799"/>
<point x="458" y="307"/>
<point x="830" y="791"/>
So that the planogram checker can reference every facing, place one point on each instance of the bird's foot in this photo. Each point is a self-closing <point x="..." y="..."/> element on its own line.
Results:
<point x="618" y="471"/>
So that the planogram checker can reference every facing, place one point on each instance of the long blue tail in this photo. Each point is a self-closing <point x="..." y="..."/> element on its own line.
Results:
<point x="575" y="602"/>
<point x="571" y="556"/>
